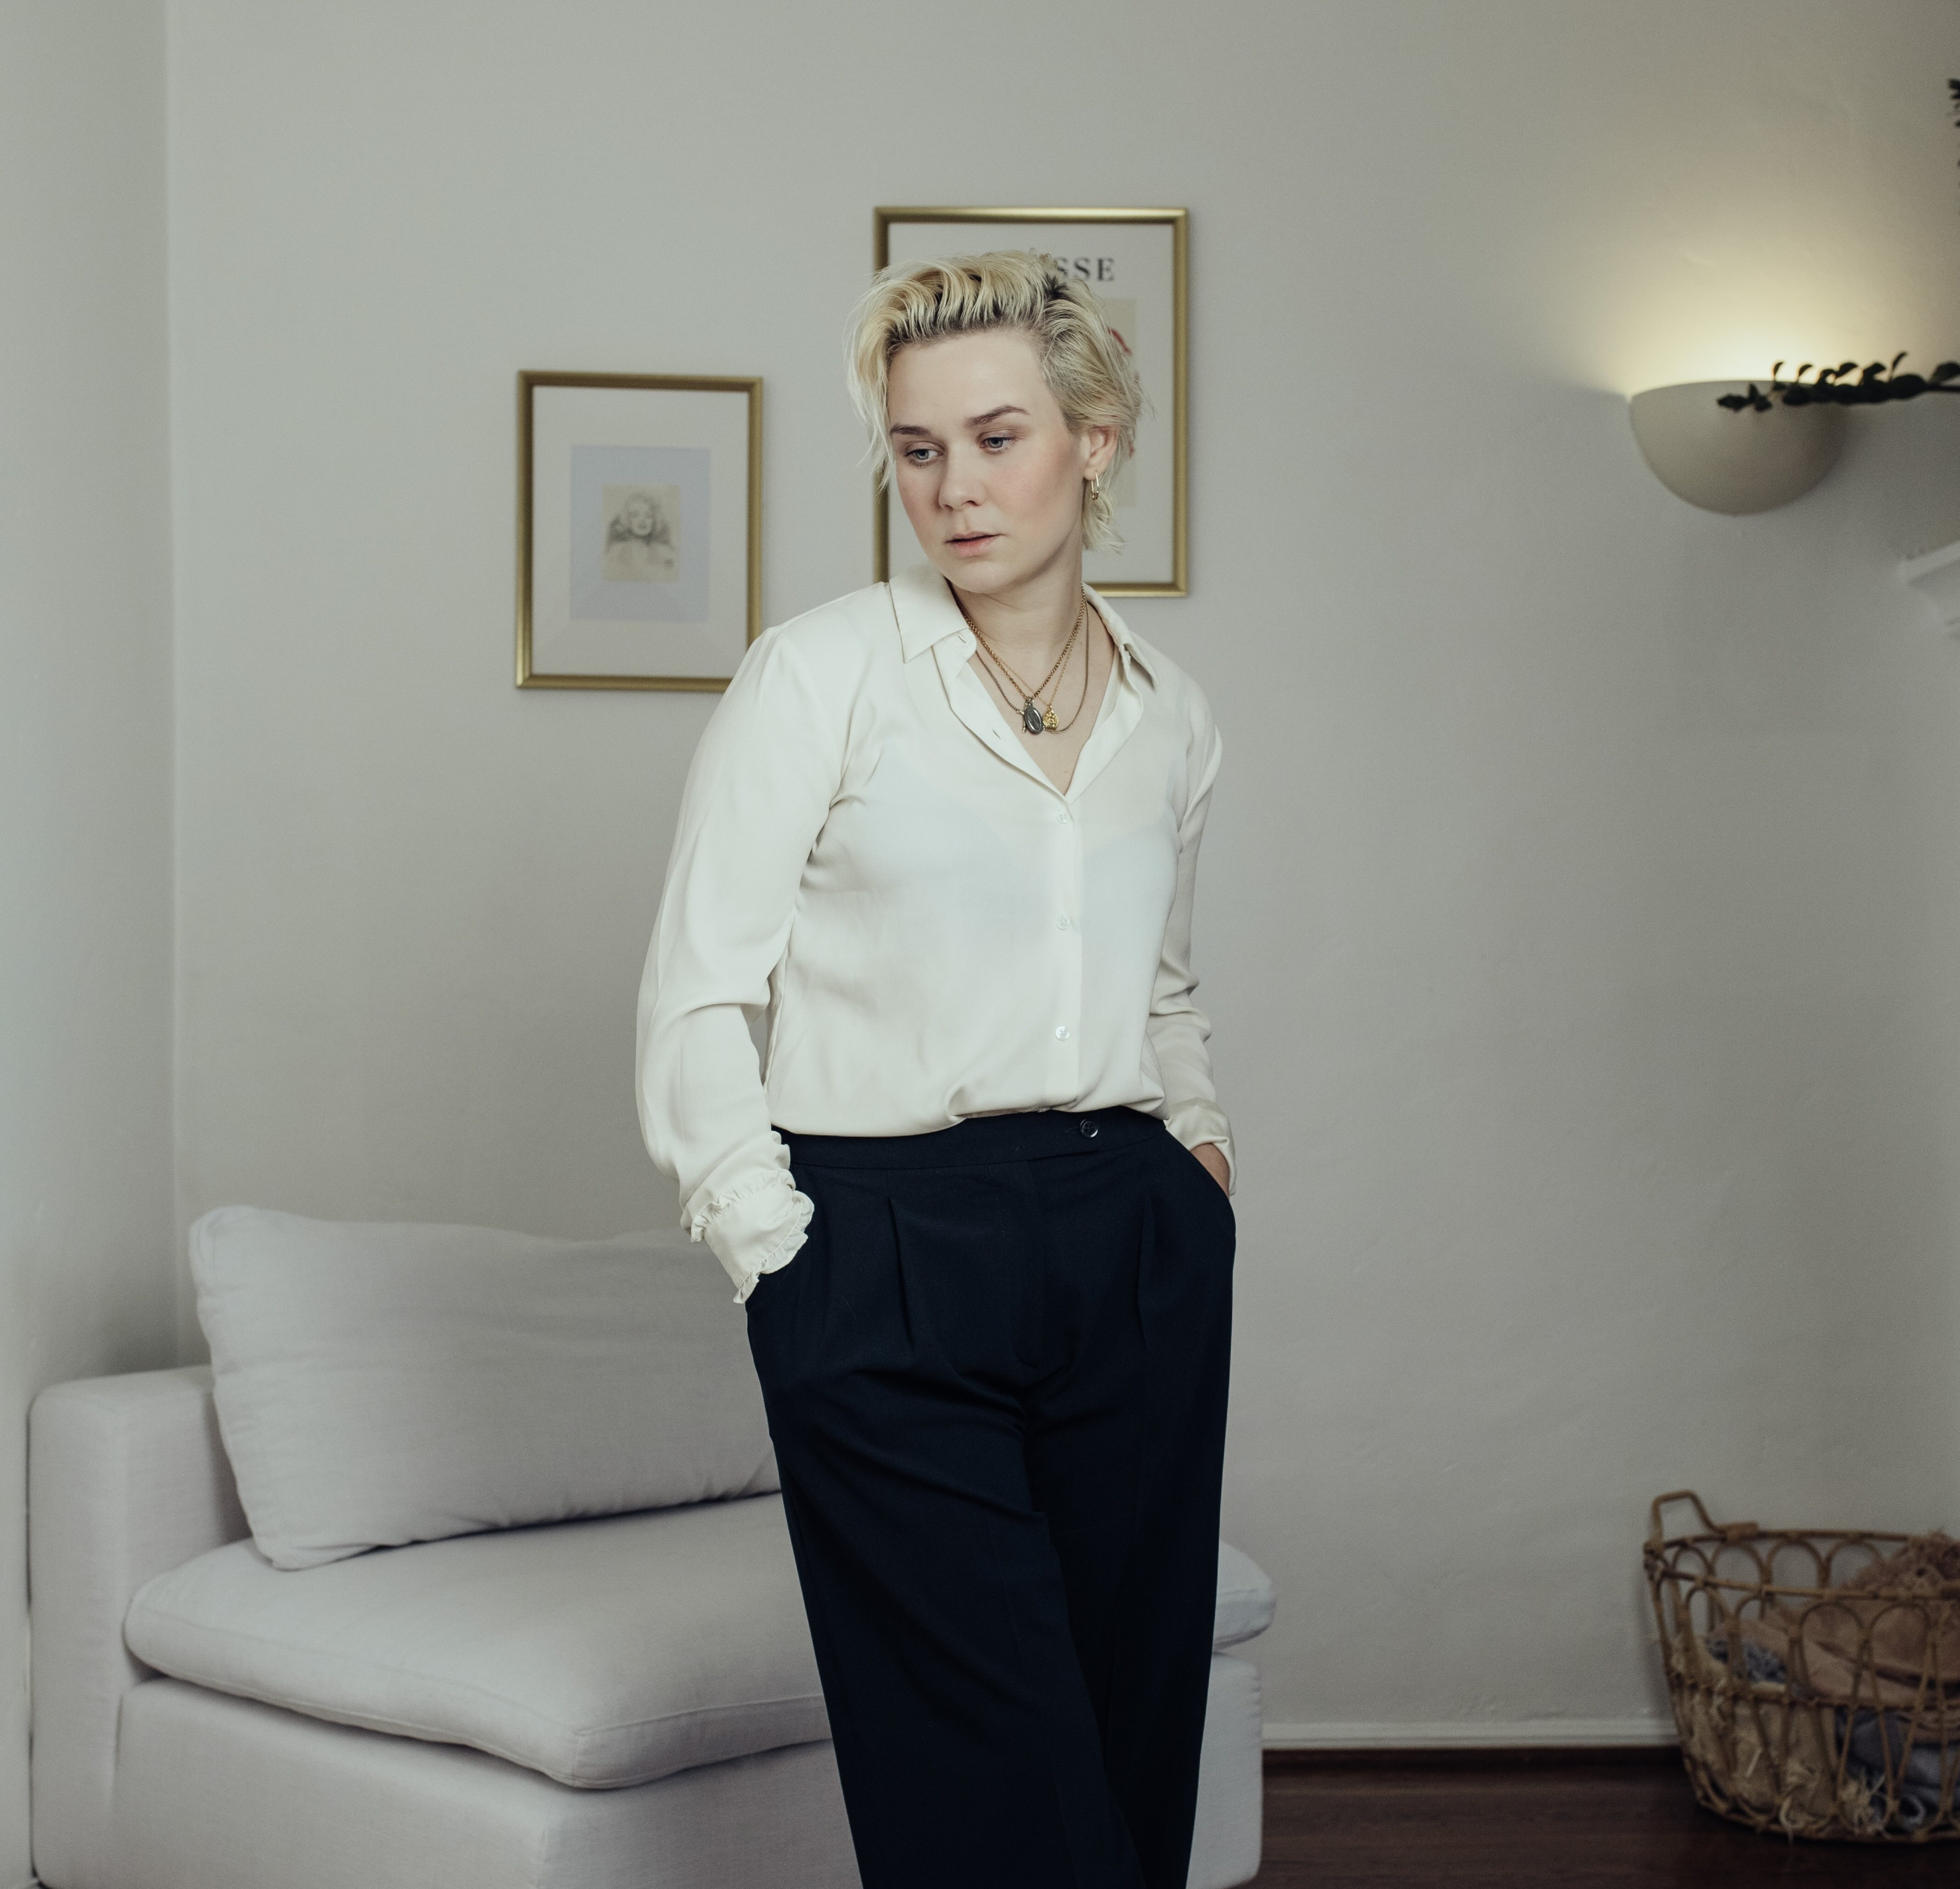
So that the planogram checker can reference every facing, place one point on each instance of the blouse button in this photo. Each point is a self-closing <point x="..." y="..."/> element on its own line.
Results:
<point x="1062" y="1033"/>
<point x="1061" y="924"/>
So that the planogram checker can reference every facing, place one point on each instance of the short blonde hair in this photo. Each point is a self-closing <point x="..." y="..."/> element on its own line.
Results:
<point x="1087" y="366"/>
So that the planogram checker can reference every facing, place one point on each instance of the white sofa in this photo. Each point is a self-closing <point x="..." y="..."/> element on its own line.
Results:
<point x="618" y="1701"/>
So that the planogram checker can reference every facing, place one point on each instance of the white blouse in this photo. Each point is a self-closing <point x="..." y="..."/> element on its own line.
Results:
<point x="868" y="857"/>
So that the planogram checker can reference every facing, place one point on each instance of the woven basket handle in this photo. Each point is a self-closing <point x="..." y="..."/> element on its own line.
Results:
<point x="1729" y="1531"/>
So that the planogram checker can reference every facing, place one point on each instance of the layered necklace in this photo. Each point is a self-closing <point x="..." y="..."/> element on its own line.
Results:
<point x="1038" y="715"/>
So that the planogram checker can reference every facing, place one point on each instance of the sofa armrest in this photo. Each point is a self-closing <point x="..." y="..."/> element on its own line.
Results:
<point x="126" y="1478"/>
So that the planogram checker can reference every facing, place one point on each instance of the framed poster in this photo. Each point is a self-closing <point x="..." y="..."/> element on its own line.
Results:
<point x="639" y="530"/>
<point x="1134" y="260"/>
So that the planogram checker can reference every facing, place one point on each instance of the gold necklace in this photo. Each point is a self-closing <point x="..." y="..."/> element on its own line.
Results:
<point x="1029" y="695"/>
<point x="1084" y="696"/>
<point x="1049" y="725"/>
<point x="1037" y="714"/>
<point x="1036" y="719"/>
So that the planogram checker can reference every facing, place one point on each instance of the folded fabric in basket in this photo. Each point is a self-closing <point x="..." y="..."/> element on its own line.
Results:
<point x="1890" y="1636"/>
<point x="1877" y="1743"/>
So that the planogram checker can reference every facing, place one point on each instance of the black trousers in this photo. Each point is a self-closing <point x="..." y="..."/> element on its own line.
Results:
<point x="995" y="1376"/>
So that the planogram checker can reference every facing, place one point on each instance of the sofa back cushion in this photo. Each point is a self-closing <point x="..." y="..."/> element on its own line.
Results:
<point x="380" y="1384"/>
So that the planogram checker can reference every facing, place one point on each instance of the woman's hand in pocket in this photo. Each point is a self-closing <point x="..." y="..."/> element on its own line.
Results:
<point x="1211" y="1158"/>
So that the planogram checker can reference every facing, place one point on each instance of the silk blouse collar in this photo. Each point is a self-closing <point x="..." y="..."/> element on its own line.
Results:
<point x="922" y="601"/>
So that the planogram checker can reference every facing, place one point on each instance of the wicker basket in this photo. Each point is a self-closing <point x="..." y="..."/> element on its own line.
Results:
<point x="1813" y="1698"/>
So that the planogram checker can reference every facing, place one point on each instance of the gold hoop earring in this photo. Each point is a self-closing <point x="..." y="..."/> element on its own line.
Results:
<point x="1096" y="486"/>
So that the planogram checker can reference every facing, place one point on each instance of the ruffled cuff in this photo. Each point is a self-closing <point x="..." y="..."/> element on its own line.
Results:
<point x="755" y="1228"/>
<point x="1197" y="1121"/>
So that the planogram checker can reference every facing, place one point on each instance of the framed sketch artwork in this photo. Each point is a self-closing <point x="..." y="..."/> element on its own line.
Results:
<point x="639" y="530"/>
<point x="1134" y="262"/>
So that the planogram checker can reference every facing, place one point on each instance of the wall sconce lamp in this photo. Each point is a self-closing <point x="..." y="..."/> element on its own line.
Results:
<point x="1736" y="462"/>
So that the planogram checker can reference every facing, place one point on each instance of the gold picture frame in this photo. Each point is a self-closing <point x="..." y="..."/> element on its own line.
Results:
<point x="1167" y="574"/>
<point x="668" y="576"/>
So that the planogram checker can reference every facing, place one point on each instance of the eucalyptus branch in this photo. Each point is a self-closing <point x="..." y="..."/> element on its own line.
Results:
<point x="1877" y="383"/>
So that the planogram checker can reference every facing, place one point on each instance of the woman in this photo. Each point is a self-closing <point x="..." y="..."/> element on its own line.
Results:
<point x="639" y="546"/>
<point x="943" y="832"/>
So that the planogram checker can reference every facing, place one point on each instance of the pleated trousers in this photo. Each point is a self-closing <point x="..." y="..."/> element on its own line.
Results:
<point x="995" y="1376"/>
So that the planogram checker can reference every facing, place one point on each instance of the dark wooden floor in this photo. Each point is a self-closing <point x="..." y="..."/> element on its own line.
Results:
<point x="1623" y="1821"/>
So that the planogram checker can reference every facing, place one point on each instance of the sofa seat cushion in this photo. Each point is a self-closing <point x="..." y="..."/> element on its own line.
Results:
<point x="601" y="1653"/>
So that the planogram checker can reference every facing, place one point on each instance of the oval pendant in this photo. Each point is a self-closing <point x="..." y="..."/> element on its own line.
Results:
<point x="1031" y="717"/>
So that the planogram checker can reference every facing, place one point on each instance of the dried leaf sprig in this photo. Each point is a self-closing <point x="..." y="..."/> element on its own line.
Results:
<point x="1877" y="383"/>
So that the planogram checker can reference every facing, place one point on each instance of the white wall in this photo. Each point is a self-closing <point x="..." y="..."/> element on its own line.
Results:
<point x="1578" y="919"/>
<point x="86" y="1226"/>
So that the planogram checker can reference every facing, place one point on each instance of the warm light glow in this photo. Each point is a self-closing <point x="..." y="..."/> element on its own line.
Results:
<point x="1693" y="344"/>
<point x="1721" y="304"/>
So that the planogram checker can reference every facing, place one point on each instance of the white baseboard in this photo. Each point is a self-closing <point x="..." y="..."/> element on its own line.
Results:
<point x="1362" y="1736"/>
